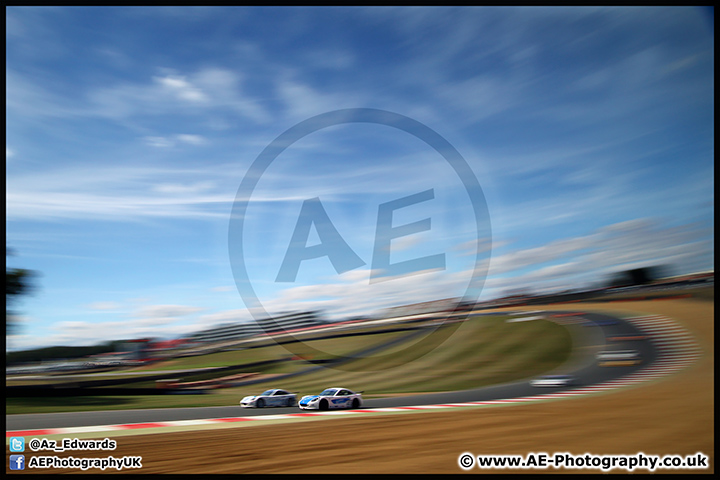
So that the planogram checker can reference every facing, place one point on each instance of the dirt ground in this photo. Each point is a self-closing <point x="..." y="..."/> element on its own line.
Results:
<point x="672" y="416"/>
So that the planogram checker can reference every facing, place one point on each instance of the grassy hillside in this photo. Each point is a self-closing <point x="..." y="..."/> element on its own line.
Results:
<point x="484" y="350"/>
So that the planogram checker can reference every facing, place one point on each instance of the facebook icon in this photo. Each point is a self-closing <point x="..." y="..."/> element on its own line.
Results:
<point x="17" y="462"/>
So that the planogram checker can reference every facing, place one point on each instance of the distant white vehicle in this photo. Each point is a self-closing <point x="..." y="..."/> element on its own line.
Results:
<point x="275" y="397"/>
<point x="610" y="358"/>
<point x="618" y="355"/>
<point x="332" y="399"/>
<point x="553" y="381"/>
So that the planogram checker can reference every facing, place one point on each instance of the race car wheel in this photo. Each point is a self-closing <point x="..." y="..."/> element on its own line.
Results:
<point x="323" y="404"/>
<point x="290" y="402"/>
<point x="260" y="403"/>
<point x="356" y="403"/>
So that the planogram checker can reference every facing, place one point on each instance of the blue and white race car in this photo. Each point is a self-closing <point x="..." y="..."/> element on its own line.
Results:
<point x="275" y="397"/>
<point x="331" y="399"/>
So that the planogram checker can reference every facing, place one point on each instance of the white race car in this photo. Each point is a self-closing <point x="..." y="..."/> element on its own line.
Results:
<point x="618" y="358"/>
<point x="275" y="397"/>
<point x="330" y="399"/>
<point x="618" y="355"/>
<point x="554" y="381"/>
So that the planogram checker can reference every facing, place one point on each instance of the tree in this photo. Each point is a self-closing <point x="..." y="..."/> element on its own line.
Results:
<point x="635" y="277"/>
<point x="18" y="281"/>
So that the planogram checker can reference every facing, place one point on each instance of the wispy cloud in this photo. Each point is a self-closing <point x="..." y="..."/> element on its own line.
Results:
<point x="178" y="139"/>
<point x="103" y="193"/>
<point x="199" y="92"/>
<point x="590" y="259"/>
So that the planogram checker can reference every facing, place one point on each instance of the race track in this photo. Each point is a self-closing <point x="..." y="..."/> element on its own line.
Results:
<point x="591" y="378"/>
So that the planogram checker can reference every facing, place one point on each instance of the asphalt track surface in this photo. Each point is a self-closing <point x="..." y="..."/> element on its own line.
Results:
<point x="590" y="335"/>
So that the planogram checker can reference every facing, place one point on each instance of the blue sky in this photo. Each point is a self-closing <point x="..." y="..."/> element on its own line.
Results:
<point x="130" y="130"/>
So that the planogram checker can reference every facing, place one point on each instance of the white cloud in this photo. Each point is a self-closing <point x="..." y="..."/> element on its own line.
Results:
<point x="174" y="140"/>
<point x="181" y="88"/>
<point x="191" y="139"/>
